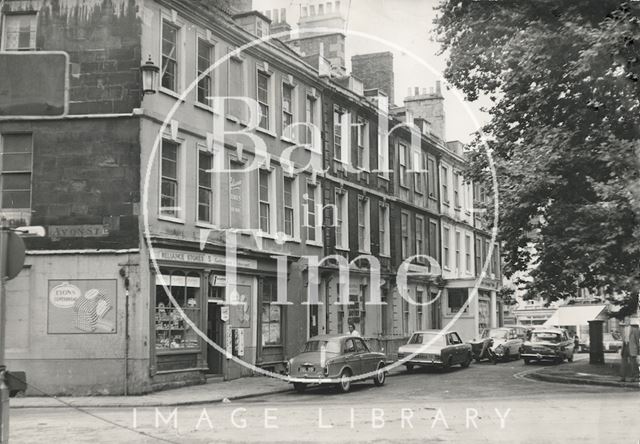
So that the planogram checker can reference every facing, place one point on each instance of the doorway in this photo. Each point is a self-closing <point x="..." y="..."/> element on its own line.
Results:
<point x="215" y="332"/>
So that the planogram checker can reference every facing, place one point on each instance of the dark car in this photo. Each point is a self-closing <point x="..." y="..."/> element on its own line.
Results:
<point x="337" y="360"/>
<point x="552" y="344"/>
<point x="435" y="348"/>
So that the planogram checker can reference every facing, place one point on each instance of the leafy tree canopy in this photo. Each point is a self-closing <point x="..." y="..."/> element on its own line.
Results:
<point x="562" y="78"/>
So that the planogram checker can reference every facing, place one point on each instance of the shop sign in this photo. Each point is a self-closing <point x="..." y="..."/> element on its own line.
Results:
<point x="64" y="231"/>
<point x="224" y="314"/>
<point x="240" y="341"/>
<point x="228" y="341"/>
<point x="82" y="306"/>
<point x="217" y="280"/>
<point x="202" y="258"/>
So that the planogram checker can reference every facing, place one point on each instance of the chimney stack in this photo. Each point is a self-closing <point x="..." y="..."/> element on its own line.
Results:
<point x="429" y="107"/>
<point x="376" y="72"/>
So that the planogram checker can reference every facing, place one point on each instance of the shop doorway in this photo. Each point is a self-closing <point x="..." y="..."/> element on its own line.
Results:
<point x="215" y="331"/>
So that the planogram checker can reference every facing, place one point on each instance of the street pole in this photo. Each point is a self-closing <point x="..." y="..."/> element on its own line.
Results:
<point x="4" y="389"/>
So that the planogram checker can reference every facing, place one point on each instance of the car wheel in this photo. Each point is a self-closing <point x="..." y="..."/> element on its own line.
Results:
<point x="449" y="363"/>
<point x="467" y="361"/>
<point x="527" y="361"/>
<point x="409" y="367"/>
<point x="478" y="359"/>
<point x="300" y="387"/>
<point x="570" y="357"/>
<point x="380" y="377"/>
<point x="345" y="382"/>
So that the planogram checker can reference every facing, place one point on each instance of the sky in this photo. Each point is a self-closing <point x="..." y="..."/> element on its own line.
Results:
<point x="408" y="24"/>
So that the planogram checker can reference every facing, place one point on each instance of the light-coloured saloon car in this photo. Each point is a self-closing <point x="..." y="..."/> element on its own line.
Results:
<point x="507" y="341"/>
<point x="337" y="360"/>
<point x="435" y="348"/>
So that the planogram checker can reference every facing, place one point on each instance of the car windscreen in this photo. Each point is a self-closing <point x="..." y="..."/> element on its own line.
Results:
<point x="427" y="338"/>
<point x="545" y="336"/>
<point x="495" y="333"/>
<point x="316" y="346"/>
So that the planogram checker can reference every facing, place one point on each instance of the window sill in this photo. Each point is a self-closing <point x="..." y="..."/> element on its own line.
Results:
<point x="342" y="248"/>
<point x="383" y="177"/>
<point x="385" y="255"/>
<point x="171" y="93"/>
<point x="364" y="251"/>
<point x="293" y="240"/>
<point x="288" y="140"/>
<point x="177" y="351"/>
<point x="235" y="120"/>
<point x="266" y="235"/>
<point x="446" y="204"/>
<point x="174" y="220"/>
<point x="202" y="224"/>
<point x="266" y="131"/>
<point x="314" y="243"/>
<point x="404" y="186"/>
<point x="206" y="107"/>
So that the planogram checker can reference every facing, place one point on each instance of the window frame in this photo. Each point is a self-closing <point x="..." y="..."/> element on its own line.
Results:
<point x="264" y="302"/>
<point x="364" y="228"/>
<point x="446" y="260"/>
<point x="295" y="231"/>
<point x="317" y="239"/>
<point x="4" y="174"/>
<point x="269" y="203"/>
<point x="260" y="72"/>
<point x="179" y="54"/>
<point x="384" y="230"/>
<point x="404" y="233"/>
<point x="33" y="30"/>
<point x="202" y="40"/>
<point x="444" y="179"/>
<point x="403" y="164"/>
<point x="342" y="219"/>
<point x="362" y="144"/>
<point x="290" y="133"/>
<point x="419" y="232"/>
<point x="178" y="214"/>
<point x="202" y="151"/>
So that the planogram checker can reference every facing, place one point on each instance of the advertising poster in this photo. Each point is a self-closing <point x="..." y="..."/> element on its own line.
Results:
<point x="240" y="310"/>
<point x="81" y="306"/>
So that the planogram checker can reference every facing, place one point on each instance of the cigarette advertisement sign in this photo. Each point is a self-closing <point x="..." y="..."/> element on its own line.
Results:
<point x="81" y="306"/>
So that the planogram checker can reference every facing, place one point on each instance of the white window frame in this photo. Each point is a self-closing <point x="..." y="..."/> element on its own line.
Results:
<point x="364" y="226"/>
<point x="200" y="38"/>
<point x="384" y="233"/>
<point x="420" y="247"/>
<point x="317" y="205"/>
<point x="33" y="29"/>
<point x="312" y="132"/>
<point x="180" y="178"/>
<point x="272" y="219"/>
<point x="403" y="162"/>
<point x="289" y="134"/>
<point x="417" y="174"/>
<point x="270" y="99"/>
<point x="295" y="201"/>
<point x="444" y="180"/>
<point x="212" y="189"/>
<point x="342" y="219"/>
<point x="404" y="241"/>
<point x="383" y="155"/>
<point x="457" y="245"/>
<point x="446" y="247"/>
<point x="468" y="255"/>
<point x="345" y="134"/>
<point x="180" y="54"/>
<point x="6" y="173"/>
<point x="363" y="144"/>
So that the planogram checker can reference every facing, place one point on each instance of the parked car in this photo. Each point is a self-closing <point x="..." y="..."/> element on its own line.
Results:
<point x="500" y="343"/>
<point x="435" y="348"/>
<point x="611" y="343"/>
<point x="336" y="360"/>
<point x="548" y="344"/>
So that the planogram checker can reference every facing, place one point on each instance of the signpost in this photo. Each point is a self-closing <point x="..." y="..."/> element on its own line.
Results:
<point x="12" y="254"/>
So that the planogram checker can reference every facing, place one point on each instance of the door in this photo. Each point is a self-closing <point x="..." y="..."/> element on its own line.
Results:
<point x="352" y="356"/>
<point x="368" y="360"/>
<point x="215" y="331"/>
<point x="457" y="348"/>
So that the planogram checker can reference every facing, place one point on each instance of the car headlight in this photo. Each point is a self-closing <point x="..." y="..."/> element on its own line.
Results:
<point x="289" y="364"/>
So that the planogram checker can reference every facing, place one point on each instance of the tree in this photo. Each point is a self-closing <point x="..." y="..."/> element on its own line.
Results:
<point x="562" y="78"/>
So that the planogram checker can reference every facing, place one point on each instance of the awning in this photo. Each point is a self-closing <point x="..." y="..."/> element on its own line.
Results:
<point x="576" y="315"/>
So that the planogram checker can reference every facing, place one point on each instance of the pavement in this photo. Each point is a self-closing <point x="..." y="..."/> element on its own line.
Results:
<point x="580" y="372"/>
<point x="480" y="404"/>
<point x="211" y="392"/>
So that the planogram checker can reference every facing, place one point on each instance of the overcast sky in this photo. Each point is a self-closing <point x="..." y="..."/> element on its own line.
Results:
<point x="408" y="24"/>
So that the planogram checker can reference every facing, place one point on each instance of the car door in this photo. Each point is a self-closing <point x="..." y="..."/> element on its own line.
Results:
<point x="368" y="360"/>
<point x="455" y="344"/>
<point x="351" y="356"/>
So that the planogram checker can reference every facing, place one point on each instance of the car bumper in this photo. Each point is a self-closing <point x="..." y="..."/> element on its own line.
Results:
<point x="435" y="362"/>
<point x="540" y="355"/>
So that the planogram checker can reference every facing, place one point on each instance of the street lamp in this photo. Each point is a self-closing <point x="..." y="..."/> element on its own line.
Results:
<point x="149" y="77"/>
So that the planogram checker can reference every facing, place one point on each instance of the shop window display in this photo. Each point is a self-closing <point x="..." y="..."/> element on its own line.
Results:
<point x="172" y="330"/>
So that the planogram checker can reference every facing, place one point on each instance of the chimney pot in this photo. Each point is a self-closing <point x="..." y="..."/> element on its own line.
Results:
<point x="409" y="92"/>
<point x="275" y="16"/>
<point x="337" y="6"/>
<point x="283" y="15"/>
<point x="320" y="9"/>
<point x="303" y="13"/>
<point x="312" y="10"/>
<point x="424" y="90"/>
<point x="431" y="90"/>
<point x="328" y="8"/>
<point x="416" y="91"/>
<point x="438" y="87"/>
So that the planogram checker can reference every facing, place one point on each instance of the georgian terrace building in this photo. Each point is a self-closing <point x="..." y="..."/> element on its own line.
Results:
<point x="142" y="197"/>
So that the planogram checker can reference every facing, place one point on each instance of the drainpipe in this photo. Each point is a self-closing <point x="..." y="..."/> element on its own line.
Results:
<point x="126" y="331"/>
